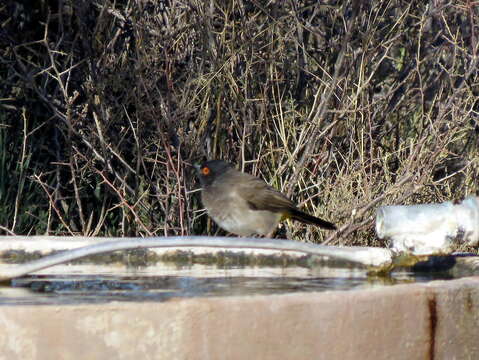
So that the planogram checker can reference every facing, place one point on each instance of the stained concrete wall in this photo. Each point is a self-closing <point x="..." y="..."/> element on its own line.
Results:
<point x="439" y="320"/>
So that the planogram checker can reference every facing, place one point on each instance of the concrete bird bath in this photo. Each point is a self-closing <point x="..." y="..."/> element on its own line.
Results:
<point x="177" y="303"/>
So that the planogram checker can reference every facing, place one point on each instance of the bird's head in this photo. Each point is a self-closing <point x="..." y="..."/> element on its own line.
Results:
<point x="209" y="170"/>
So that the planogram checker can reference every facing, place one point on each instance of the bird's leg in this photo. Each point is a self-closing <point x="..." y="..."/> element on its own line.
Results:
<point x="270" y="234"/>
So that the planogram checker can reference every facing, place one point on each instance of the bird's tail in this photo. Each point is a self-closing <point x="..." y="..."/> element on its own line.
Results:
<point x="298" y="215"/>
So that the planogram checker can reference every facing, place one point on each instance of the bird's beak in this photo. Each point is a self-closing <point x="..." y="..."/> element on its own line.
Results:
<point x="197" y="166"/>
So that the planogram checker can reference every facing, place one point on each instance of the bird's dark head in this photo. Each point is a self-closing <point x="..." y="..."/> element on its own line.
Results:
<point x="209" y="170"/>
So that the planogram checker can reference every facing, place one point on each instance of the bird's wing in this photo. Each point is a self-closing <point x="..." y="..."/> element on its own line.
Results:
<point x="261" y="196"/>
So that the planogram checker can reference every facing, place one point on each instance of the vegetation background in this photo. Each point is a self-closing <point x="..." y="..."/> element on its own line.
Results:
<point x="343" y="105"/>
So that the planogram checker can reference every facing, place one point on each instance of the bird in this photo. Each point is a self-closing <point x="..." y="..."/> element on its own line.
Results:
<point x="246" y="205"/>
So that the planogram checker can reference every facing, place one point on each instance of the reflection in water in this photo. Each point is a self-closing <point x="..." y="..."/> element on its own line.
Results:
<point x="150" y="284"/>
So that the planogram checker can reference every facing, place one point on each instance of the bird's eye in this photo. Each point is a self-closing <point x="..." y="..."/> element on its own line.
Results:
<point x="205" y="171"/>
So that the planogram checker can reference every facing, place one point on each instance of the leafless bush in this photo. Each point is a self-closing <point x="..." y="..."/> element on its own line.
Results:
<point x="342" y="105"/>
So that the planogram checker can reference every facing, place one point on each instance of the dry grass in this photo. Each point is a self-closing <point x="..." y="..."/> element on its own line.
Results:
<point x="343" y="105"/>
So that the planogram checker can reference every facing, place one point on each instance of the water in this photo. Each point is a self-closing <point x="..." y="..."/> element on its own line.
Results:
<point x="100" y="284"/>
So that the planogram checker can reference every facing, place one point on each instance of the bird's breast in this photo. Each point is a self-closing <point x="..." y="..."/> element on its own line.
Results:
<point x="233" y="214"/>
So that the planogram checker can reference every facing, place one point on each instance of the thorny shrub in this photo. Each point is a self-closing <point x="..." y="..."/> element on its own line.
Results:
<point x="343" y="105"/>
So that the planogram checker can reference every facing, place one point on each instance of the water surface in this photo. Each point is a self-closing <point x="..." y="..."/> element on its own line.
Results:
<point x="73" y="284"/>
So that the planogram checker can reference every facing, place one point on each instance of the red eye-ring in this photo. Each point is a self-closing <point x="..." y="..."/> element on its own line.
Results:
<point x="205" y="171"/>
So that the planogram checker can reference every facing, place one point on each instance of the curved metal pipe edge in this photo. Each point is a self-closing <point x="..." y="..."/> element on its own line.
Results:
<point x="378" y="258"/>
